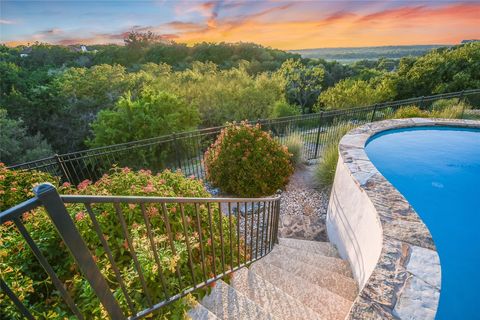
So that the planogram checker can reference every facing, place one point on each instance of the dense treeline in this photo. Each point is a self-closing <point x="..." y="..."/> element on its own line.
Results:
<point x="60" y="99"/>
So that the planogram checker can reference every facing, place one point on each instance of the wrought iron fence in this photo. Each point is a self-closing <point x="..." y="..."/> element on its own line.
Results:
<point x="185" y="150"/>
<point x="208" y="238"/>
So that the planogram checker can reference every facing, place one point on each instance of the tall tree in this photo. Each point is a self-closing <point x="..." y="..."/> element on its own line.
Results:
<point x="303" y="84"/>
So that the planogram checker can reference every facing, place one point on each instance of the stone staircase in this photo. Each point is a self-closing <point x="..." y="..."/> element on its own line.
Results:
<point x="299" y="279"/>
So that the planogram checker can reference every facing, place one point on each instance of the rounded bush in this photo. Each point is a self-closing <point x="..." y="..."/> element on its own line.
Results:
<point x="246" y="161"/>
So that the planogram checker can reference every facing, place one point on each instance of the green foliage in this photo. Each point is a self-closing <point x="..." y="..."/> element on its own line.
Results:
<point x="246" y="161"/>
<point x="16" y="185"/>
<point x="351" y="93"/>
<point x="16" y="145"/>
<point x="294" y="144"/>
<point x="58" y="91"/>
<point x="441" y="70"/>
<point x="410" y="112"/>
<point x="284" y="109"/>
<point x="325" y="169"/>
<point x="449" y="108"/>
<point x="303" y="83"/>
<point x="223" y="95"/>
<point x="24" y="275"/>
<point x="151" y="114"/>
<point x="445" y="108"/>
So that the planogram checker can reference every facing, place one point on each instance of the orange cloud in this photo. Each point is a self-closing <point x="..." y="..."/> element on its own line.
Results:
<point x="406" y="25"/>
<point x="284" y="26"/>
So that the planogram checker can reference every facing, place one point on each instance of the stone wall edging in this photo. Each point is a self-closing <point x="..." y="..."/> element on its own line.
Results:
<point x="406" y="280"/>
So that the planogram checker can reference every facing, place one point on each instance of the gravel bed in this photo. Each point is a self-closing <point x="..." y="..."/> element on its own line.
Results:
<point x="304" y="208"/>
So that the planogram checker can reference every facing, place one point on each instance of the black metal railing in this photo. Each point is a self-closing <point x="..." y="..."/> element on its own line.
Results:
<point x="207" y="238"/>
<point x="186" y="150"/>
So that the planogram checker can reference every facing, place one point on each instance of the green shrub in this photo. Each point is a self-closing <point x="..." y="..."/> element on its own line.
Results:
<point x="449" y="108"/>
<point x="453" y="112"/>
<point x="16" y="185"/>
<point x="410" y="112"/>
<point x="25" y="276"/>
<point x="246" y="161"/>
<point x="294" y="144"/>
<point x="284" y="109"/>
<point x="325" y="170"/>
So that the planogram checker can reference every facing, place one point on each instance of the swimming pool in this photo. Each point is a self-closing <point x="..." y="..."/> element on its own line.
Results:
<point x="437" y="169"/>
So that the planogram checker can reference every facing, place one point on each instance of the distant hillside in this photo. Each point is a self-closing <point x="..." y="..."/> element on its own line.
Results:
<point x="347" y="55"/>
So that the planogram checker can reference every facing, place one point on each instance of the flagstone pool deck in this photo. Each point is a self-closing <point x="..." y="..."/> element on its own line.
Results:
<point x="390" y="250"/>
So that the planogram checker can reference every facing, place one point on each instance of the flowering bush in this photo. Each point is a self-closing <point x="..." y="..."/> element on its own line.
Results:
<point x="246" y="161"/>
<point x="25" y="276"/>
<point x="16" y="185"/>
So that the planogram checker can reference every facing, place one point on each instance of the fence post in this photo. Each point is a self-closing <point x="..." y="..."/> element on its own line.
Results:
<point x="374" y="110"/>
<point x="62" y="167"/>
<point x="463" y="104"/>
<point x="175" y="146"/>
<point x="60" y="217"/>
<point x="421" y="102"/>
<point x="318" y="134"/>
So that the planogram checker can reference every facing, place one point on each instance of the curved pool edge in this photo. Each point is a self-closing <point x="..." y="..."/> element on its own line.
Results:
<point x="390" y="249"/>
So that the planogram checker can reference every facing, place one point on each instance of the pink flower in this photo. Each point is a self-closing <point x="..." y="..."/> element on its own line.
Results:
<point x="13" y="189"/>
<point x="148" y="188"/>
<point x="125" y="244"/>
<point x="174" y="209"/>
<point x="132" y="206"/>
<point x="152" y="212"/>
<point x="66" y="184"/>
<point x="82" y="185"/>
<point x="79" y="216"/>
<point x="162" y="181"/>
<point x="126" y="170"/>
<point x="192" y="176"/>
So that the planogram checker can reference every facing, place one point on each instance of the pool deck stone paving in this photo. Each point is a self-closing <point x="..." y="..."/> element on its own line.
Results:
<point x="405" y="283"/>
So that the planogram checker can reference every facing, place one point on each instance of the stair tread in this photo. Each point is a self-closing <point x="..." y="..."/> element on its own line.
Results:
<point x="337" y="283"/>
<point x="271" y="298"/>
<point x="323" y="248"/>
<point x="227" y="303"/>
<point x="326" y="303"/>
<point x="317" y="260"/>
<point x="199" y="312"/>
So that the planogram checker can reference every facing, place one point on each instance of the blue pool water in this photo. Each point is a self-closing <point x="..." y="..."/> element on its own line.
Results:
<point x="437" y="169"/>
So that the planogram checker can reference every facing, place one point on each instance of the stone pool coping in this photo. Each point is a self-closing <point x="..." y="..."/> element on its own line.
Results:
<point x="406" y="280"/>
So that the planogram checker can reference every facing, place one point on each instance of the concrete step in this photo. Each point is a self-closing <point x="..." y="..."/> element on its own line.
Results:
<point x="323" y="248"/>
<point x="199" y="312"/>
<point x="317" y="260"/>
<point x="227" y="303"/>
<point x="271" y="298"/>
<point x="324" y="302"/>
<point x="343" y="286"/>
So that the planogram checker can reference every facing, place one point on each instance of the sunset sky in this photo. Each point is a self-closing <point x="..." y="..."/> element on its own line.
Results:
<point x="279" y="24"/>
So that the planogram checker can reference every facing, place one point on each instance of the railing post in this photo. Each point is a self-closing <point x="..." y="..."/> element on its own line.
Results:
<point x="373" y="113"/>
<point x="175" y="146"/>
<point x="421" y="102"/>
<point x="463" y="104"/>
<point x="277" y="217"/>
<point x="62" y="167"/>
<point x="60" y="217"/>
<point x="318" y="134"/>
